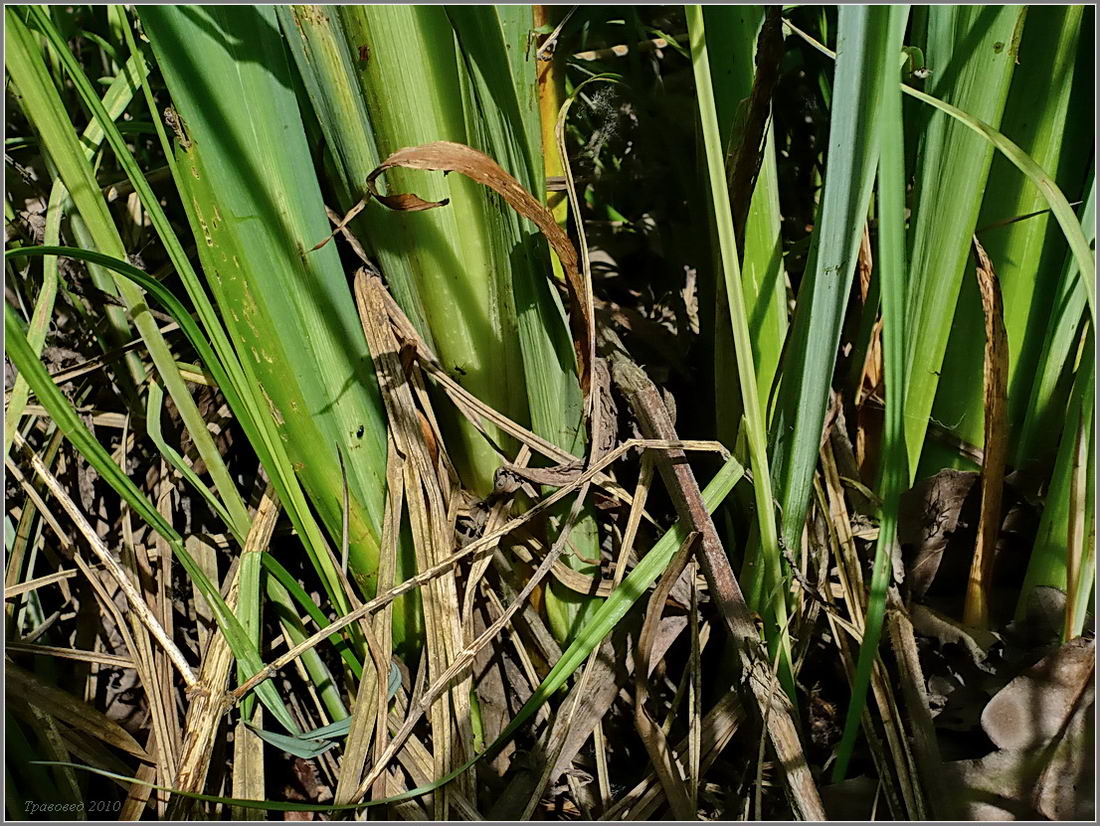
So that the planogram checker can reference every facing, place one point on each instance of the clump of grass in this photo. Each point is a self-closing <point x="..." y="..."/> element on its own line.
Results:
<point x="465" y="527"/>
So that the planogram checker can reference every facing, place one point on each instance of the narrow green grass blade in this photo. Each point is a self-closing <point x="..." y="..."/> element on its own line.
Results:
<point x="152" y="424"/>
<point x="1050" y="389"/>
<point x="853" y="155"/>
<point x="46" y="110"/>
<point x="39" y="322"/>
<point x="115" y="100"/>
<point x="301" y="746"/>
<point x="1047" y="564"/>
<point x="755" y="428"/>
<point x="249" y="612"/>
<point x="894" y="475"/>
<point x="305" y="602"/>
<point x="863" y="42"/>
<point x="763" y="278"/>
<point x="324" y="686"/>
<point x="118" y="324"/>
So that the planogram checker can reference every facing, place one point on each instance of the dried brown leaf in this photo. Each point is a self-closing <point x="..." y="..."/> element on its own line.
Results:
<point x="976" y="610"/>
<point x="445" y="156"/>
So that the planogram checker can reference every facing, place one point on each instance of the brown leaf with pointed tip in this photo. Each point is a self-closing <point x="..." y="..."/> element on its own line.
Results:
<point x="445" y="156"/>
<point x="976" y="610"/>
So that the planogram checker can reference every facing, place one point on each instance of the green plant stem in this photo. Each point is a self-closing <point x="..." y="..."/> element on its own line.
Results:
<point x="754" y="418"/>
<point x="894" y="475"/>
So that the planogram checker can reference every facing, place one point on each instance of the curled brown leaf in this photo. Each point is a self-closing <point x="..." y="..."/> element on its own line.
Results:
<point x="445" y="156"/>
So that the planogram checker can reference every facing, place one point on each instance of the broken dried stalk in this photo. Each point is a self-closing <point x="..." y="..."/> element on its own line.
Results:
<point x="923" y="733"/>
<point x="717" y="729"/>
<point x="900" y="760"/>
<point x="976" y="608"/>
<point x="585" y="705"/>
<point x="209" y="700"/>
<point x="724" y="589"/>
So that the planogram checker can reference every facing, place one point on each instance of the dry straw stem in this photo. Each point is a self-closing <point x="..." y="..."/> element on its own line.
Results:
<point x="478" y="412"/>
<point x="900" y="760"/>
<point x="208" y="699"/>
<point x="464" y="660"/>
<point x="680" y="481"/>
<point x="427" y="489"/>
<point x="600" y="682"/>
<point x="118" y="573"/>
<point x="922" y="730"/>
<point x="371" y="701"/>
<point x="717" y="729"/>
<point x="35" y="504"/>
<point x="653" y="738"/>
<point x="497" y="515"/>
<point x="995" y="450"/>
<point x="154" y="672"/>
<point x="95" y="577"/>
<point x="248" y="765"/>
<point x="111" y="660"/>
